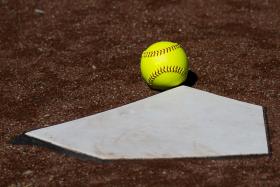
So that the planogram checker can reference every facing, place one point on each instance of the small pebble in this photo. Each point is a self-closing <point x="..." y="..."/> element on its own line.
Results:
<point x="51" y="178"/>
<point x="27" y="172"/>
<point x="39" y="11"/>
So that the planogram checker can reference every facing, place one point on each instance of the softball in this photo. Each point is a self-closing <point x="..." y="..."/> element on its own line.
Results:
<point x="164" y="65"/>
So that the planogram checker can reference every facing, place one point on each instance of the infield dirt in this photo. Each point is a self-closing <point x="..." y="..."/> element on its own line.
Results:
<point x="63" y="60"/>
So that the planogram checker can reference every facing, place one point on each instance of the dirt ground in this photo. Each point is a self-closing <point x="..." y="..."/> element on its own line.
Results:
<point x="62" y="60"/>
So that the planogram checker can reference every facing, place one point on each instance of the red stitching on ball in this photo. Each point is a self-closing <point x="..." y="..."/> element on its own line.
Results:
<point x="165" y="69"/>
<point x="161" y="51"/>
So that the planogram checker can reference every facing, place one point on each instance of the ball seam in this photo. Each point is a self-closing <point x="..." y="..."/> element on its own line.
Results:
<point x="147" y="54"/>
<point x="165" y="69"/>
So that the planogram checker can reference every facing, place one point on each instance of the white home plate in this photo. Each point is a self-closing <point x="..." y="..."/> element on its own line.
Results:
<point x="181" y="122"/>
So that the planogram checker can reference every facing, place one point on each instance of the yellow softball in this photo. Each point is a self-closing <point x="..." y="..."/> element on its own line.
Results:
<point x="164" y="65"/>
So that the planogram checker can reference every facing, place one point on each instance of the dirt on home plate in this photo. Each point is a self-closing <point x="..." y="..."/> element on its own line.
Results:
<point x="63" y="60"/>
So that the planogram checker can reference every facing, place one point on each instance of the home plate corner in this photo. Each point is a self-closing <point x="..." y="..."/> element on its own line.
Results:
<point x="181" y="122"/>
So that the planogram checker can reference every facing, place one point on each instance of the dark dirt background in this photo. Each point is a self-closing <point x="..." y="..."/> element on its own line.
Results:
<point x="78" y="58"/>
